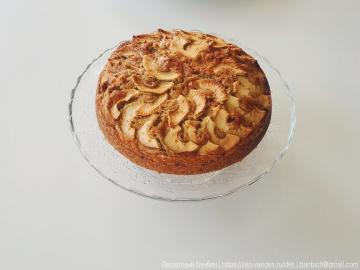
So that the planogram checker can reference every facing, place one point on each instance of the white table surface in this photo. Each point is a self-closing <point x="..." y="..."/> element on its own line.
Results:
<point x="56" y="212"/>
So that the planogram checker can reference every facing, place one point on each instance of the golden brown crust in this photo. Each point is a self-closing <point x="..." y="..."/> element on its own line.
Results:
<point x="163" y="96"/>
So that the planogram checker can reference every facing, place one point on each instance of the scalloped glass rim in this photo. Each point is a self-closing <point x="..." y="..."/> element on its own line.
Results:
<point x="92" y="144"/>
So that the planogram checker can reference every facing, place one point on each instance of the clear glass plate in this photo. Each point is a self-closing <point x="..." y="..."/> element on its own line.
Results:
<point x="123" y="173"/>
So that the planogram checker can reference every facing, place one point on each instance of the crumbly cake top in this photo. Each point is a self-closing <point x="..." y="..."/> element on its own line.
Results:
<point x="177" y="91"/>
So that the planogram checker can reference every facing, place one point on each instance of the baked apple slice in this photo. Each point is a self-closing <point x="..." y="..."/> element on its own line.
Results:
<point x="144" y="136"/>
<point x="172" y="141"/>
<point x="182" y="110"/>
<point x="208" y="148"/>
<point x="226" y="142"/>
<point x="214" y="89"/>
<point x="128" y="114"/>
<point x="150" y="67"/>
<point x="149" y="108"/>
<point x="197" y="98"/>
<point x="160" y="88"/>
<point x="188" y="47"/>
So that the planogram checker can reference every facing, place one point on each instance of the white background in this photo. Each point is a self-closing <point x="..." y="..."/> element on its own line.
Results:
<point x="56" y="212"/>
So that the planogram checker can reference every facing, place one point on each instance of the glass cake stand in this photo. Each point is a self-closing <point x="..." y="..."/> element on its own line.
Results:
<point x="119" y="170"/>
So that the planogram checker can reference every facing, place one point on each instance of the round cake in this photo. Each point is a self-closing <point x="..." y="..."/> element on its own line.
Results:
<point x="182" y="102"/>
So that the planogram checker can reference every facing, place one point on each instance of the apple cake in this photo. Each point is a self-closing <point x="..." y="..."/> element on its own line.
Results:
<point x="182" y="102"/>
